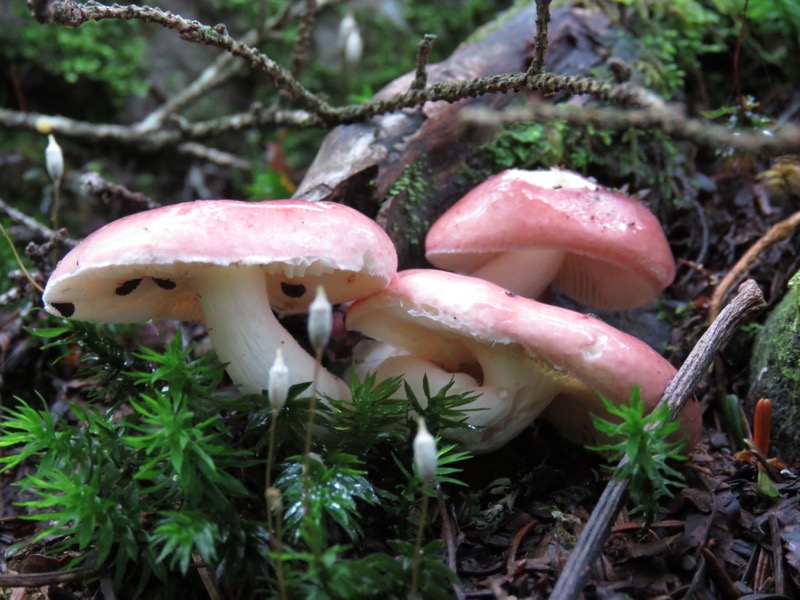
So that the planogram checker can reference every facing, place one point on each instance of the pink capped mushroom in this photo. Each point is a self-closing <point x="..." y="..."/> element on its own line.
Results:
<point x="229" y="264"/>
<point x="522" y="356"/>
<point x="527" y="229"/>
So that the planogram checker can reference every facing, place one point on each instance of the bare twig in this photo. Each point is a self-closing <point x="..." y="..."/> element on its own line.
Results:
<point x="778" y="232"/>
<point x="212" y="155"/>
<point x="42" y="579"/>
<point x="728" y="588"/>
<point x="748" y="301"/>
<point x="207" y="577"/>
<point x="449" y="538"/>
<point x="73" y="14"/>
<point x="217" y="73"/>
<point x="779" y="575"/>
<point x="32" y="225"/>
<point x="670" y="119"/>
<point x="214" y="75"/>
<point x="737" y="76"/>
<point x="302" y="44"/>
<point x="540" y="49"/>
<point x="423" y="50"/>
<point x="94" y="185"/>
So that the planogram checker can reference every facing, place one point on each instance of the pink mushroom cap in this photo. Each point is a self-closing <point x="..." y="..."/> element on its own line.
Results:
<point x="230" y="264"/>
<point x="527" y="229"/>
<point x="522" y="356"/>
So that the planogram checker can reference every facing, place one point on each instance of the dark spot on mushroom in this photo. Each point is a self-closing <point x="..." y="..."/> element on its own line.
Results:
<point x="510" y="294"/>
<point x="65" y="309"/>
<point x="165" y="284"/>
<point x="293" y="290"/>
<point x="126" y="288"/>
<point x="473" y="369"/>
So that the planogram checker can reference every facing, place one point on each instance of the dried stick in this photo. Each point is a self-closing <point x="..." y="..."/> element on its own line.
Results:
<point x="34" y="226"/>
<point x="93" y="184"/>
<point x="31" y="580"/>
<point x="540" y="47"/>
<point x="778" y="573"/>
<point x="744" y="306"/>
<point x="777" y="233"/>
<point x="670" y="119"/>
<point x="421" y="73"/>
<point x="73" y="14"/>
<point x="302" y="45"/>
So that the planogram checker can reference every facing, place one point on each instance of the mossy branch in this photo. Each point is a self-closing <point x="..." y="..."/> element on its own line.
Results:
<point x="163" y="128"/>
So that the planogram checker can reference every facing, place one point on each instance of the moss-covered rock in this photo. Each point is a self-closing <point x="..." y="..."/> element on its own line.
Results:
<point x="775" y="373"/>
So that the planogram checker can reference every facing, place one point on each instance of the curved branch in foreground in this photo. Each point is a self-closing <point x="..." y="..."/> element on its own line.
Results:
<point x="742" y="308"/>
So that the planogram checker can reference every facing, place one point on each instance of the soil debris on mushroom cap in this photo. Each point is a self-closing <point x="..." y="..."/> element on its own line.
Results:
<point x="525" y="230"/>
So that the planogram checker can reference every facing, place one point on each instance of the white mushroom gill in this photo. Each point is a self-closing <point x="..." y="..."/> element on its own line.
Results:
<point x="246" y="334"/>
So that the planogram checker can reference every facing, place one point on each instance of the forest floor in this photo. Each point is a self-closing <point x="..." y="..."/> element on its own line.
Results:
<point x="721" y="536"/>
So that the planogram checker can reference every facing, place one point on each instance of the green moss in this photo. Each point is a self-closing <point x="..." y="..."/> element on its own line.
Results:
<point x="646" y="159"/>
<point x="91" y="52"/>
<point x="775" y="373"/>
<point x="408" y="197"/>
<point x="676" y="36"/>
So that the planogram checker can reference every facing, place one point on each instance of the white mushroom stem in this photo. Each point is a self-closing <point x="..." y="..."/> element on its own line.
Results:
<point x="246" y="334"/>
<point x="512" y="270"/>
<point x="514" y="389"/>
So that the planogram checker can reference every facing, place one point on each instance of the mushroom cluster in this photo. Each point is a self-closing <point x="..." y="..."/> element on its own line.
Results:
<point x="236" y="265"/>
<point x="510" y="238"/>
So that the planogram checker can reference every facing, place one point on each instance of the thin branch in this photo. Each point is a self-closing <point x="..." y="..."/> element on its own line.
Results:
<point x="302" y="44"/>
<point x="32" y="225"/>
<point x="94" y="185"/>
<point x="777" y="233"/>
<point x="214" y="75"/>
<point x="540" y="48"/>
<point x="649" y="109"/>
<point x="668" y="118"/>
<point x="72" y="14"/>
<point x="212" y="155"/>
<point x="172" y="133"/>
<point x="626" y="94"/>
<point x="217" y="73"/>
<point x="737" y="76"/>
<point x="53" y="578"/>
<point x="743" y="307"/>
<point x="423" y="50"/>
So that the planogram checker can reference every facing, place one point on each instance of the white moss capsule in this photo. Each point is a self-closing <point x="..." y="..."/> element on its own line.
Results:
<point x="274" y="500"/>
<point x="425" y="452"/>
<point x="350" y="43"/>
<point x="54" y="160"/>
<point x="278" y="387"/>
<point x="320" y="321"/>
